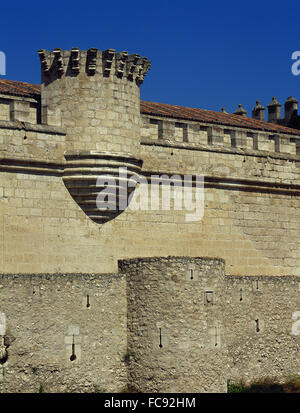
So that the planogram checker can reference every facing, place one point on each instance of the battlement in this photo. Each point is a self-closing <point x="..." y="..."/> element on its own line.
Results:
<point x="170" y="321"/>
<point x="162" y="123"/>
<point x="108" y="62"/>
<point x="211" y="137"/>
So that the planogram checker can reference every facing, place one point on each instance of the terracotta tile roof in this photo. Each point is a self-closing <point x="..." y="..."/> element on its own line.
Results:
<point x="10" y="87"/>
<point x="209" y="116"/>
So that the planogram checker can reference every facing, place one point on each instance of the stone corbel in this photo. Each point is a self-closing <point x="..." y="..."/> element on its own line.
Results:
<point x="144" y="66"/>
<point x="59" y="63"/>
<point x="107" y="56"/>
<point x="132" y="63"/>
<point x="44" y="62"/>
<point x="91" y="60"/>
<point x="121" y="63"/>
<point x="75" y="56"/>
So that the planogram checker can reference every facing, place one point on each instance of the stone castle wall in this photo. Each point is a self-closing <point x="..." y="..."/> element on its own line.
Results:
<point x="174" y="324"/>
<point x="88" y="123"/>
<point x="191" y="328"/>
<point x="13" y="108"/>
<point x="262" y="323"/>
<point x="251" y="215"/>
<point x="46" y="315"/>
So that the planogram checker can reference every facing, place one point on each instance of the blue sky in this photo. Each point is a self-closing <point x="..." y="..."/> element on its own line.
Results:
<point x="203" y="54"/>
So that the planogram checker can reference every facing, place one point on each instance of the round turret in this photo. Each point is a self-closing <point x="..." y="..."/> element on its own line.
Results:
<point x="95" y="96"/>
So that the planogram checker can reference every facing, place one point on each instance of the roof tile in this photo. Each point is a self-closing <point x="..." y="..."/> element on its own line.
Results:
<point x="208" y="116"/>
<point x="10" y="87"/>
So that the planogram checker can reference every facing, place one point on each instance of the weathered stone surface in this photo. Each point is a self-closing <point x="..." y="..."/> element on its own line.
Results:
<point x="176" y="338"/>
<point x="45" y="313"/>
<point x="213" y="326"/>
<point x="165" y="324"/>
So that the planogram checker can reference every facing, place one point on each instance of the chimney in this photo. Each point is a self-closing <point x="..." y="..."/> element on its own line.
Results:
<point x="290" y="109"/>
<point x="258" y="111"/>
<point x="223" y="110"/>
<point x="274" y="109"/>
<point x="240" y="111"/>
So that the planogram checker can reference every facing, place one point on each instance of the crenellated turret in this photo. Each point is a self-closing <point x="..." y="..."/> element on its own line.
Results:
<point x="59" y="62"/>
<point x="95" y="96"/>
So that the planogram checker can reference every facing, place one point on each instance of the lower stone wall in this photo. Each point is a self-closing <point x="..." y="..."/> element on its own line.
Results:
<point x="63" y="333"/>
<point x="176" y="340"/>
<point x="166" y="324"/>
<point x="191" y="328"/>
<point x="262" y="323"/>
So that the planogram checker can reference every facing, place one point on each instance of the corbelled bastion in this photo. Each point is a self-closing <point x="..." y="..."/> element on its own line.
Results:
<point x="94" y="295"/>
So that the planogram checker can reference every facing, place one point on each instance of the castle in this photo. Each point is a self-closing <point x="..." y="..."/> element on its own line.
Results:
<point x="143" y="298"/>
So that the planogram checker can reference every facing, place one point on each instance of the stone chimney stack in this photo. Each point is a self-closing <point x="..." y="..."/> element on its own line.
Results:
<point x="290" y="109"/>
<point x="240" y="111"/>
<point x="258" y="111"/>
<point x="274" y="111"/>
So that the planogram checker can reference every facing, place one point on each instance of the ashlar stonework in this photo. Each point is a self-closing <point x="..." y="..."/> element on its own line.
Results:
<point x="95" y="299"/>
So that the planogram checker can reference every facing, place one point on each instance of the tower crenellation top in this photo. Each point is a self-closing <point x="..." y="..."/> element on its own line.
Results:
<point x="58" y="63"/>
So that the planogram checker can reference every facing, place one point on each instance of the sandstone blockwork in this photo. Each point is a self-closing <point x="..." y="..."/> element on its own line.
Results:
<point x="93" y="299"/>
